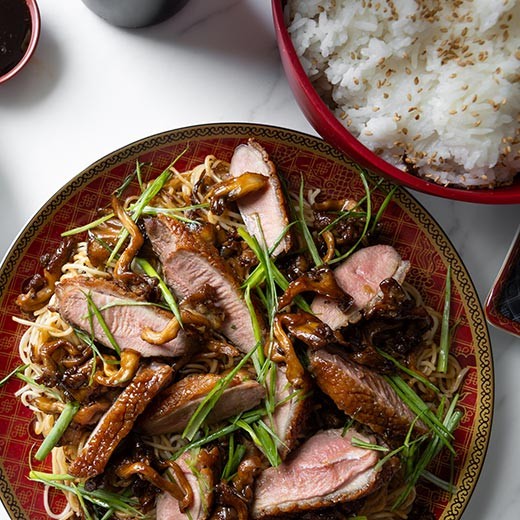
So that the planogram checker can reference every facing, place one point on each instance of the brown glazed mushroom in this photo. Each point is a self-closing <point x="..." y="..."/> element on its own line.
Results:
<point x="122" y="269"/>
<point x="234" y="188"/>
<point x="321" y="281"/>
<point x="129" y="364"/>
<point x="178" y="488"/>
<point x="40" y="288"/>
<point x="308" y="329"/>
<point x="197" y="310"/>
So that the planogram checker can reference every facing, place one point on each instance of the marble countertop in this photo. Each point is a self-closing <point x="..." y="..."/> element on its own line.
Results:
<point x="91" y="88"/>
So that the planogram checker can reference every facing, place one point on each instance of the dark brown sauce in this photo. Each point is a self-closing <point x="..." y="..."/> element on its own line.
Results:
<point x="15" y="33"/>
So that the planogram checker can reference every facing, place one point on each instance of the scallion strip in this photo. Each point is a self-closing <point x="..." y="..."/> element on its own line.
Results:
<point x="304" y="228"/>
<point x="208" y="403"/>
<point x="165" y="291"/>
<point x="86" y="227"/>
<point x="367" y="219"/>
<point x="153" y="210"/>
<point x="259" y="357"/>
<point x="358" y="443"/>
<point x="420" y="408"/>
<point x="89" y="341"/>
<point x="13" y="372"/>
<point x="437" y="481"/>
<point x="235" y="455"/>
<point x="416" y="375"/>
<point x="146" y="196"/>
<point x="249" y="417"/>
<point x="382" y="208"/>
<point x="62" y="423"/>
<point x="43" y="388"/>
<point x="444" y="343"/>
<point x="129" y="179"/>
<point x="94" y="310"/>
<point x="351" y="212"/>
<point x="450" y="423"/>
<point x="263" y="440"/>
<point x="99" y="497"/>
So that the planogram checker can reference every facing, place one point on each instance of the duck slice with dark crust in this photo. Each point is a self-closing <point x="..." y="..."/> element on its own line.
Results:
<point x="124" y="318"/>
<point x="119" y="420"/>
<point x="175" y="406"/>
<point x="189" y="263"/>
<point x="264" y="212"/>
<point x="199" y="470"/>
<point x="291" y="415"/>
<point x="360" y="276"/>
<point x="325" y="470"/>
<point x="363" y="394"/>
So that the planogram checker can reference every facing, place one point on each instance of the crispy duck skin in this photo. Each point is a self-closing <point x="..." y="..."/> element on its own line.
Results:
<point x="175" y="406"/>
<point x="264" y="212"/>
<point x="363" y="394"/>
<point x="360" y="276"/>
<point x="327" y="469"/>
<point x="189" y="263"/>
<point x="125" y="322"/>
<point x="119" y="420"/>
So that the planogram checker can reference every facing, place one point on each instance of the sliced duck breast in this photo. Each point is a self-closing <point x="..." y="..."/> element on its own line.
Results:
<point x="264" y="212"/>
<point x="292" y="412"/>
<point x="360" y="276"/>
<point x="189" y="263"/>
<point x="363" y="394"/>
<point x="174" y="408"/>
<point x="119" y="420"/>
<point x="121" y="312"/>
<point x="325" y="470"/>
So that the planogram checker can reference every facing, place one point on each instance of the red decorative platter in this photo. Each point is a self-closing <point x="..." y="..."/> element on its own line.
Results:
<point x="406" y="224"/>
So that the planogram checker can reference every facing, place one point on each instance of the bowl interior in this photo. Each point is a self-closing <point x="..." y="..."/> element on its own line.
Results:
<point x="33" y="40"/>
<point x="329" y="127"/>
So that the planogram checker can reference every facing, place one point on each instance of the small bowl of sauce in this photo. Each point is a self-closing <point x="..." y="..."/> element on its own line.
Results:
<point x="19" y="33"/>
<point x="503" y="302"/>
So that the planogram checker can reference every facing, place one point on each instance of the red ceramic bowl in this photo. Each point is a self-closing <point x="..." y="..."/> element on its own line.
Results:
<point x="327" y="125"/>
<point x="33" y="40"/>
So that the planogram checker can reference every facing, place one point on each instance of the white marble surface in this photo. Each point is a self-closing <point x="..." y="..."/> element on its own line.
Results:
<point x="91" y="88"/>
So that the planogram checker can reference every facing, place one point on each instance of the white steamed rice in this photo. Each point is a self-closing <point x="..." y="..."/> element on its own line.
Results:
<point x="437" y="82"/>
